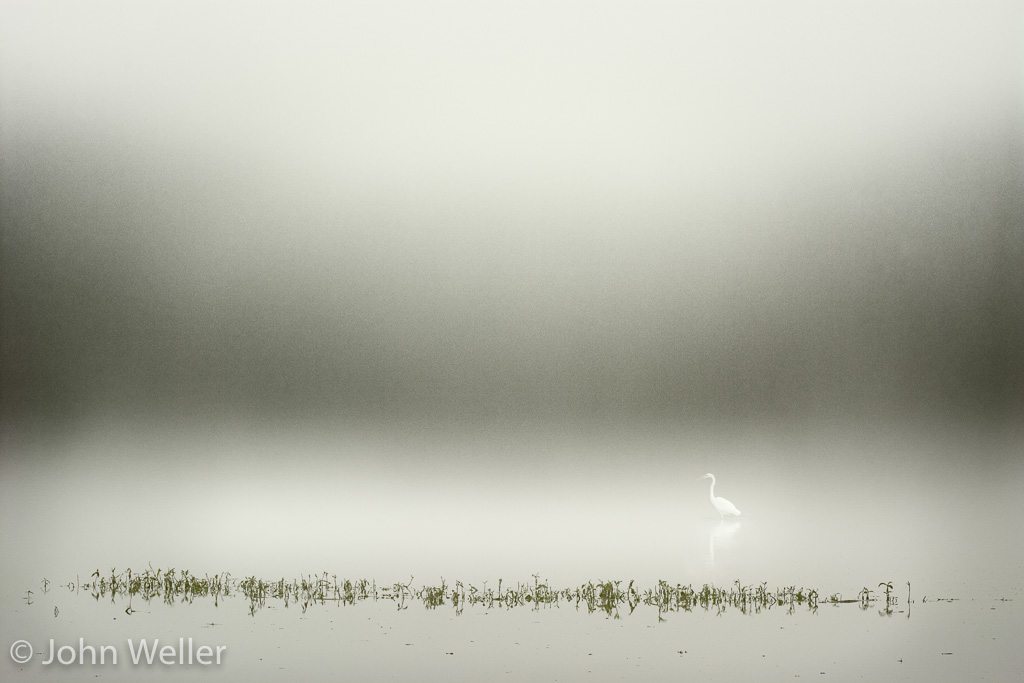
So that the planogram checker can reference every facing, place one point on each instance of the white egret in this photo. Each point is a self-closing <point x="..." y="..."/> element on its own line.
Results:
<point x="723" y="506"/>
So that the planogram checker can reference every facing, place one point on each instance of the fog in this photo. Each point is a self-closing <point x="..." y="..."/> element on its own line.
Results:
<point x="466" y="288"/>
<point x="474" y="214"/>
<point x="472" y="291"/>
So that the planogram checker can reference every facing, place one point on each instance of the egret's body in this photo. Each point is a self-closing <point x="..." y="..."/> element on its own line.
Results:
<point x="724" y="507"/>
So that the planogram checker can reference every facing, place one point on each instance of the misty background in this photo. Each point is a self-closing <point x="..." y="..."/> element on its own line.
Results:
<point x="472" y="213"/>
<point x="478" y="290"/>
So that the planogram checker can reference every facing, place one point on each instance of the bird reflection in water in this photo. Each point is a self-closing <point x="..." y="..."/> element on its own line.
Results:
<point x="721" y="534"/>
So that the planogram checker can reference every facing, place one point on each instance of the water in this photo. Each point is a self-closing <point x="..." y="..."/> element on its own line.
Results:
<point x="834" y="512"/>
<point x="967" y="639"/>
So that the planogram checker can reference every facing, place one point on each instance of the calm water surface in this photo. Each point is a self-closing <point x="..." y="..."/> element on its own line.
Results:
<point x="826" y="513"/>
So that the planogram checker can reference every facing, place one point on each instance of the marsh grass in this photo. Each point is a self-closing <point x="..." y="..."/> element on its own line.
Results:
<point x="612" y="598"/>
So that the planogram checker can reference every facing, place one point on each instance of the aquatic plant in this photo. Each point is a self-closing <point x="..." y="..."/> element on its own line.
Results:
<point x="173" y="586"/>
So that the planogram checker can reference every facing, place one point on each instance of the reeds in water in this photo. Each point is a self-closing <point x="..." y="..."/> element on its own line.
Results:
<point x="612" y="598"/>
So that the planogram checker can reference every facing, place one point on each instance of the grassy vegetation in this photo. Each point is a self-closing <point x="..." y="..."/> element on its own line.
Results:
<point x="173" y="586"/>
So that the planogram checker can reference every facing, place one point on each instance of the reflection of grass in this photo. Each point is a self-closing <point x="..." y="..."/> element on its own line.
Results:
<point x="173" y="586"/>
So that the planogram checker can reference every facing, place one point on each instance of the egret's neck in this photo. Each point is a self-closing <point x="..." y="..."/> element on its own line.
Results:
<point x="711" y="491"/>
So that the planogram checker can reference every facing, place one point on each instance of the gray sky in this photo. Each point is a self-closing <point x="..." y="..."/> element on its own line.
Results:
<point x="511" y="211"/>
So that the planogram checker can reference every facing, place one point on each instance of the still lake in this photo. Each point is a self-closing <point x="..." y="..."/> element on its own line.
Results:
<point x="832" y="511"/>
